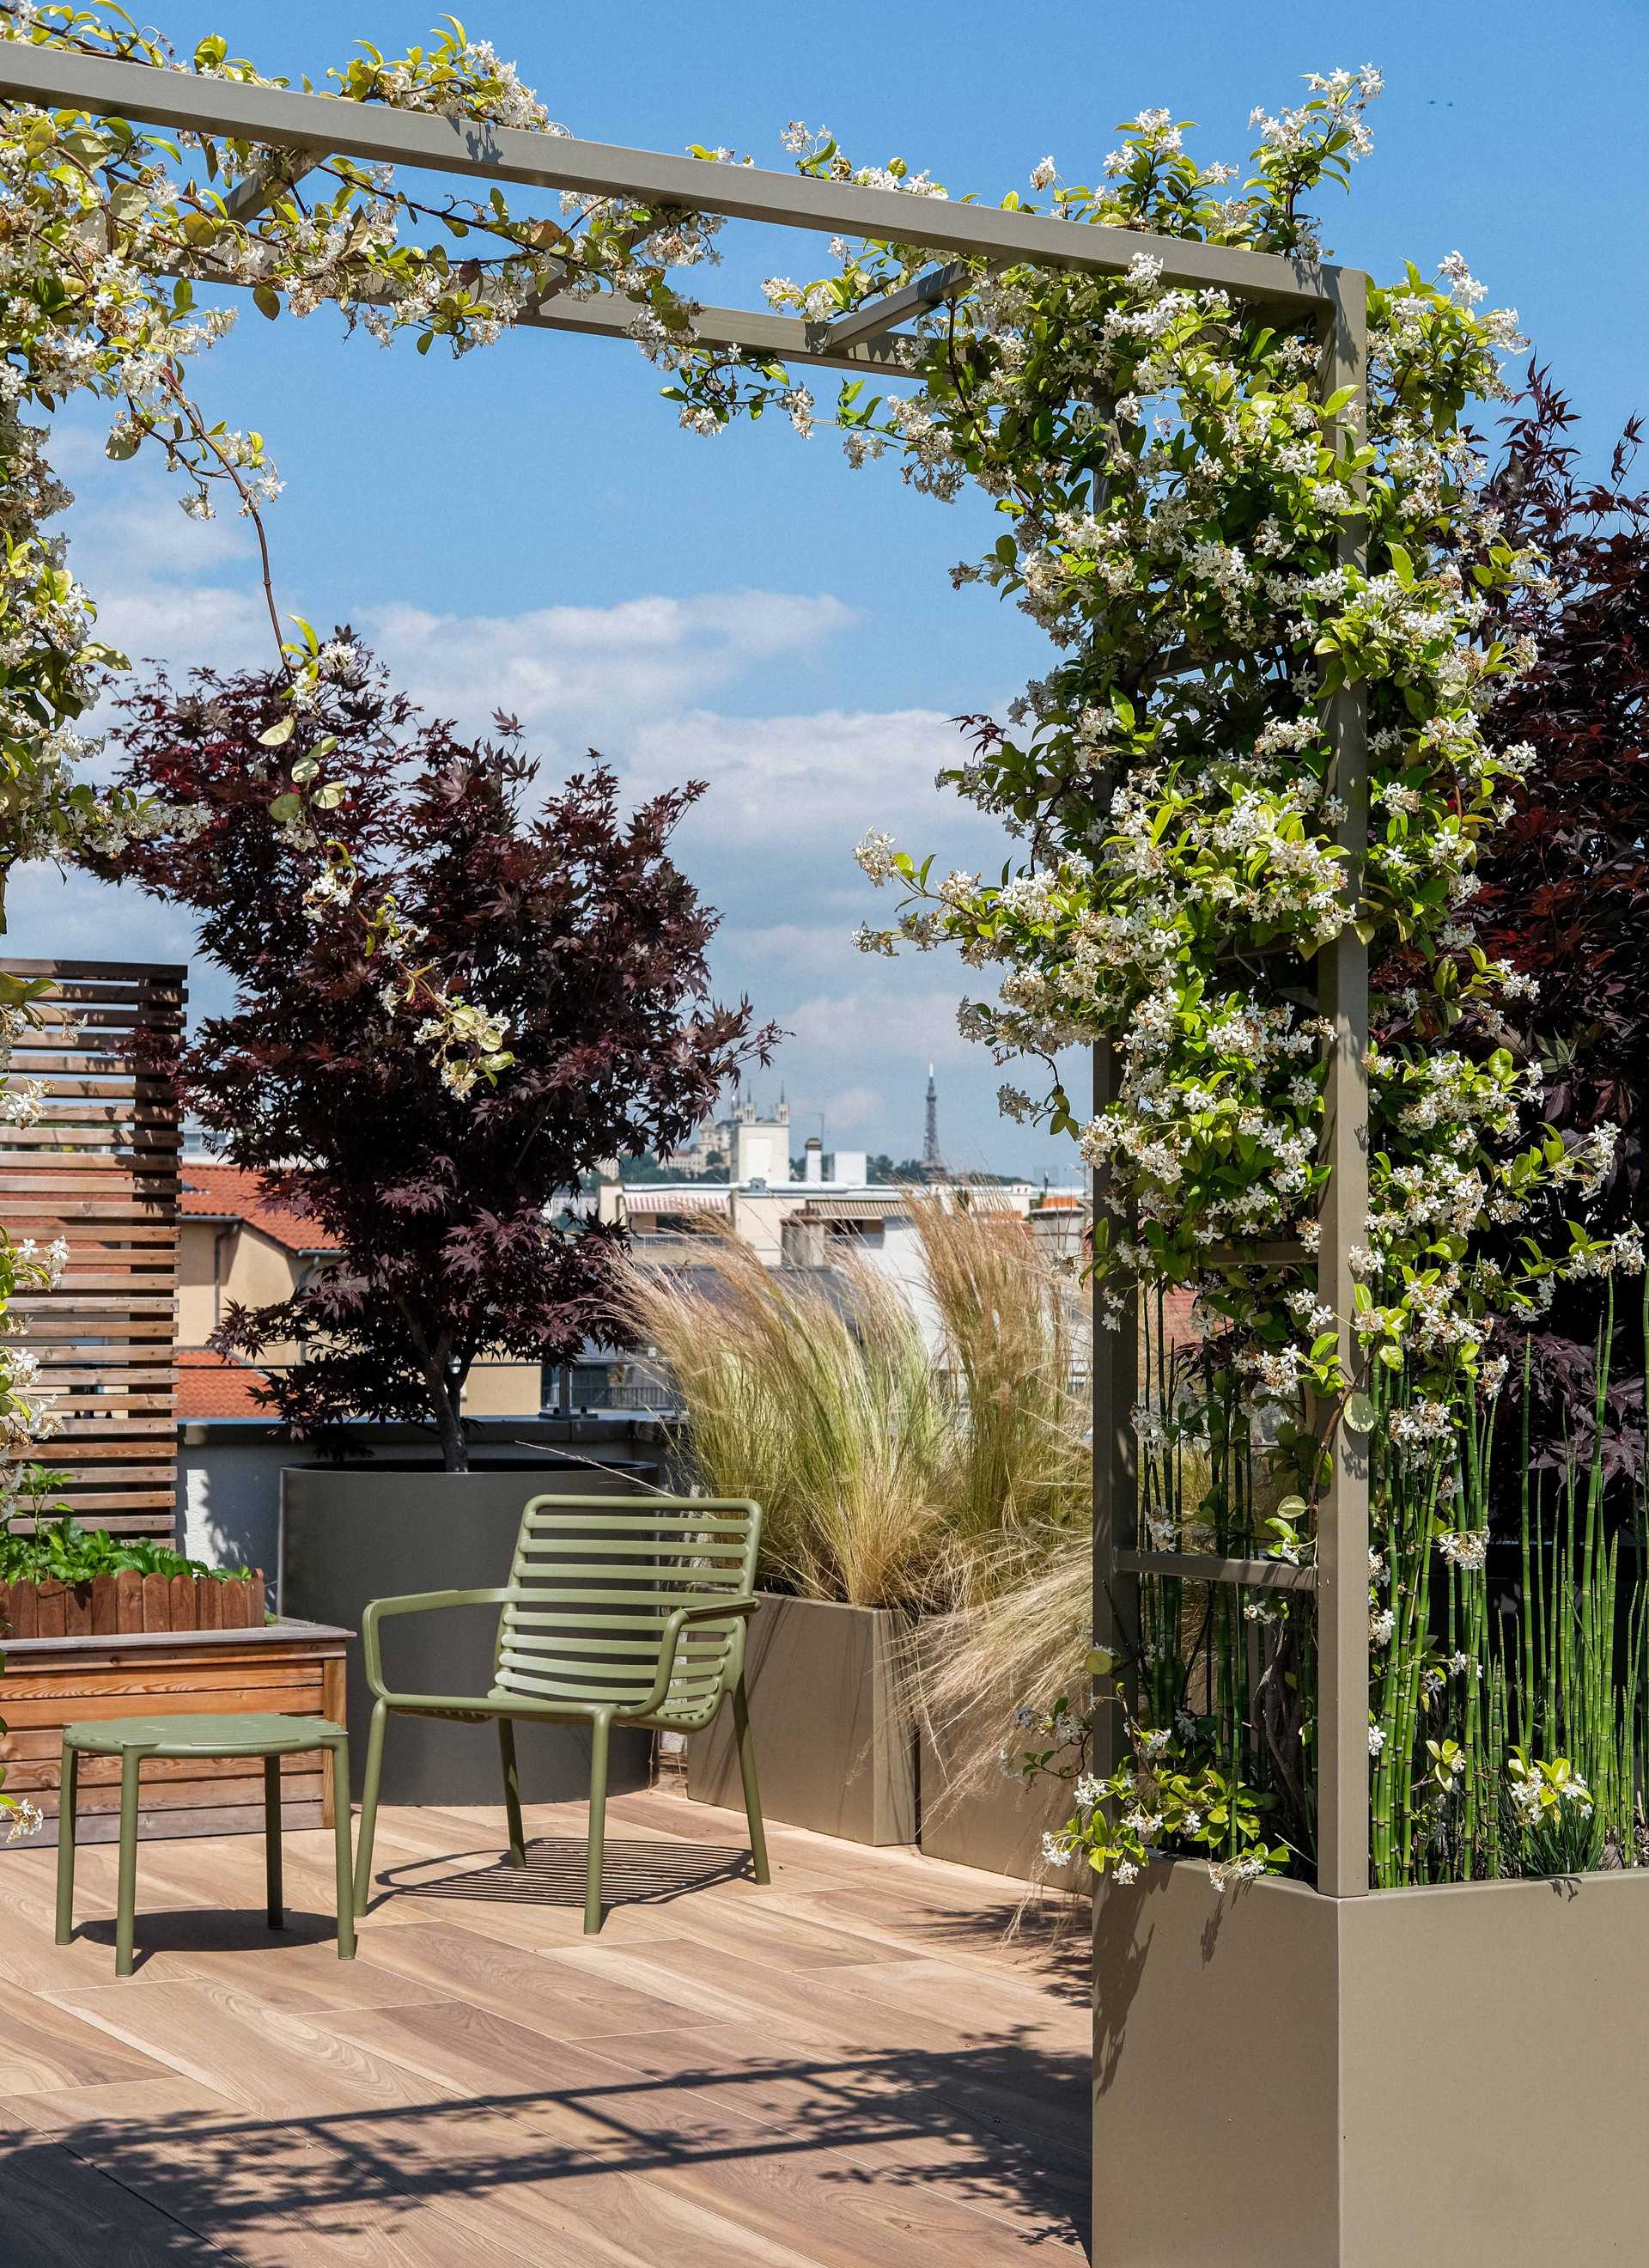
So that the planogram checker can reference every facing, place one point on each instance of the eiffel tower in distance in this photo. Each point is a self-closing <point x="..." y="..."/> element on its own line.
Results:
<point x="933" y="1163"/>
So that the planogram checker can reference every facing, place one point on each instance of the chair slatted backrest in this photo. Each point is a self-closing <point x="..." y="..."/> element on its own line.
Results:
<point x="598" y="1577"/>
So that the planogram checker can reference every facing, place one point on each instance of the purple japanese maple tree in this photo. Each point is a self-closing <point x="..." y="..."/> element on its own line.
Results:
<point x="557" y="915"/>
<point x="1564" y="884"/>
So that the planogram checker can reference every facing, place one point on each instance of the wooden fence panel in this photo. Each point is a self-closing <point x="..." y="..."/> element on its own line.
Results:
<point x="99" y="1170"/>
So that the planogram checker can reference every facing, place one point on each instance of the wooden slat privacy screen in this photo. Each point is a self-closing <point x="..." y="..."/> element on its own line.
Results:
<point x="100" y="1169"/>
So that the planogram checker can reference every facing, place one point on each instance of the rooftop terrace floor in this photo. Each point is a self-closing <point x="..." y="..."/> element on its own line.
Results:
<point x="848" y="2069"/>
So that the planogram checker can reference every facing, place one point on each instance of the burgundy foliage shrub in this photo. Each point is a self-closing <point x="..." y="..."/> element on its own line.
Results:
<point x="557" y="912"/>
<point x="1565" y="892"/>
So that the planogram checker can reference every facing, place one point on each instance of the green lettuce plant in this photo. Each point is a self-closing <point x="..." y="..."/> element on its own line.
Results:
<point x="63" y="1551"/>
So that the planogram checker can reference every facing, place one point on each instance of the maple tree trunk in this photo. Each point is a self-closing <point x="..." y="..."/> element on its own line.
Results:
<point x="450" y="1426"/>
<point x="447" y="1394"/>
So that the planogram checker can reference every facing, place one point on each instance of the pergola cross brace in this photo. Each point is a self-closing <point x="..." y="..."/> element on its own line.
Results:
<point x="877" y="316"/>
<point x="255" y="192"/>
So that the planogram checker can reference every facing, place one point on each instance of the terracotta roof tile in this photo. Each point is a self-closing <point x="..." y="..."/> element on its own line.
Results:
<point x="213" y="1385"/>
<point x="214" y="1192"/>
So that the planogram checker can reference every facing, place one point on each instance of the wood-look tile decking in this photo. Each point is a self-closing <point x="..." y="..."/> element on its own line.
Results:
<point x="848" y="2069"/>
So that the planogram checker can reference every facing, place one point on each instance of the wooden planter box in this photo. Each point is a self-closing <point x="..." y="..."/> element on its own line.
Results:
<point x="835" y="1744"/>
<point x="124" y="1604"/>
<point x="293" y="1669"/>
<point x="1443" y="2075"/>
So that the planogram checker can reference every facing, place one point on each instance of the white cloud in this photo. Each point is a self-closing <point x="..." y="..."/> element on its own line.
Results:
<point x="784" y="945"/>
<point x="852" y="1108"/>
<point x="890" y="1014"/>
<point x="152" y="535"/>
<point x="184" y="623"/>
<point x="593" y="669"/>
<point x="150" y="568"/>
<point x="833" y="773"/>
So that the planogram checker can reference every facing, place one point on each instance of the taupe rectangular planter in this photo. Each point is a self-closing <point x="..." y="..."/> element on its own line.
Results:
<point x="835" y="1746"/>
<point x="1435" y="2078"/>
<point x="351" y="1533"/>
<point x="996" y="1823"/>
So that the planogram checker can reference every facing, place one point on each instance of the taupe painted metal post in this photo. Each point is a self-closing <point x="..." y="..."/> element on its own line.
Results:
<point x="1343" y="1516"/>
<point x="1115" y="1386"/>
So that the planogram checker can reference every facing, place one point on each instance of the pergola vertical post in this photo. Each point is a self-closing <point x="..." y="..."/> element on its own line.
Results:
<point x="1342" y="1513"/>
<point x="1116" y="1384"/>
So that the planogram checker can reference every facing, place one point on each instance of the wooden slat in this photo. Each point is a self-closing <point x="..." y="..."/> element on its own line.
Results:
<point x="92" y="1478"/>
<point x="85" y="1404"/>
<point x="110" y="1423"/>
<point x="286" y="1700"/>
<point x="145" y="1280"/>
<point x="99" y="1506"/>
<point x="135" y="1236"/>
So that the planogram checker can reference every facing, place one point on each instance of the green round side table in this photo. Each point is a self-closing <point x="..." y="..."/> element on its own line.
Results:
<point x="131" y="1739"/>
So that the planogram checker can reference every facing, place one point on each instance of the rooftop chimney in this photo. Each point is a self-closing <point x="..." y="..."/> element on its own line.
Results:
<point x="813" y="1160"/>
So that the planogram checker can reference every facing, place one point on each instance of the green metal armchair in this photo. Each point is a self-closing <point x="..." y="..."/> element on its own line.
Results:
<point x="618" y="1611"/>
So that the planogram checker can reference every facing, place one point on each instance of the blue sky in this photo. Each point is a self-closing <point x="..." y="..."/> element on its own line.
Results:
<point x="528" y="527"/>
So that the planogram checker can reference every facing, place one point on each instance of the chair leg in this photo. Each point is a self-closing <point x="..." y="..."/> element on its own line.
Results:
<point x="512" y="1791"/>
<point x="272" y="1840"/>
<point x="369" y="1805"/>
<point x="752" y="1792"/>
<point x="599" y="1731"/>
<point x="69" y="1786"/>
<point x="126" y="1883"/>
<point x="339" y="1760"/>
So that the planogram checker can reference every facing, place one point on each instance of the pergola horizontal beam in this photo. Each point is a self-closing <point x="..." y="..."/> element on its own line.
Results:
<point x="747" y="330"/>
<point x="320" y="124"/>
<point x="1206" y="1567"/>
<point x="1285" y="1252"/>
<point x="779" y="338"/>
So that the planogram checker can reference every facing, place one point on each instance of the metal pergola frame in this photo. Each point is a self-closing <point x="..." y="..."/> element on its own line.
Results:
<point x="310" y="128"/>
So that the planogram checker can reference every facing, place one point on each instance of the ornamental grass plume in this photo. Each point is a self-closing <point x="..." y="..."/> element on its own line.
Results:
<point x="815" y="1395"/>
<point x="1014" y="1334"/>
<point x="1004" y="1658"/>
<point x="891" y="1473"/>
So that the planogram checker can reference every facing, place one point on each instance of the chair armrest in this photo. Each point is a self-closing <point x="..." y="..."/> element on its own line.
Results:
<point x="700" y="1610"/>
<point x="414" y="1603"/>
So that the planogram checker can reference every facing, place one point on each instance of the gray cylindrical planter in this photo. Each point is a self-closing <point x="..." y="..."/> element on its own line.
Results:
<point x="351" y="1533"/>
<point x="1451" y="2074"/>
<point x="835" y="1741"/>
<point x="996" y="1824"/>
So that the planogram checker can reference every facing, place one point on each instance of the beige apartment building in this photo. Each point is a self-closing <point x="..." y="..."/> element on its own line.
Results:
<point x="238" y="1247"/>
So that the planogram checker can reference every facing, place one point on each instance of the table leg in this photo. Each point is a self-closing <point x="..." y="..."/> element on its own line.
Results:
<point x="340" y="1784"/>
<point x="126" y="1886"/>
<point x="272" y="1838"/>
<point x="68" y="1788"/>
